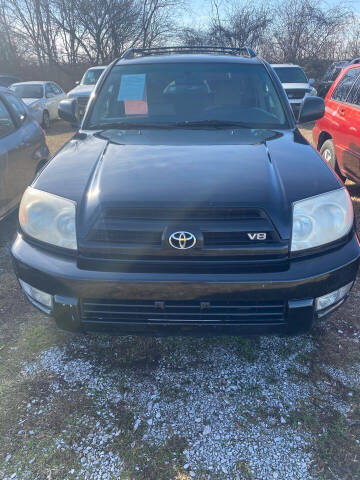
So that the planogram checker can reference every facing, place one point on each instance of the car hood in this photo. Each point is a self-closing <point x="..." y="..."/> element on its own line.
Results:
<point x="179" y="167"/>
<point x="30" y="101"/>
<point x="296" y="86"/>
<point x="81" y="91"/>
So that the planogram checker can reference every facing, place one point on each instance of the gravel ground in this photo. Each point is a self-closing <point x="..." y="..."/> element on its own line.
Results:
<point x="105" y="408"/>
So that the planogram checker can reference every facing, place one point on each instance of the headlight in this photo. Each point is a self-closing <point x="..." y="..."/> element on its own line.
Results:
<point x="322" y="219"/>
<point x="48" y="218"/>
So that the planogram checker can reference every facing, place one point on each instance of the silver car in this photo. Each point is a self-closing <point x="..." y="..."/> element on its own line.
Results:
<point x="296" y="84"/>
<point x="83" y="90"/>
<point x="42" y="98"/>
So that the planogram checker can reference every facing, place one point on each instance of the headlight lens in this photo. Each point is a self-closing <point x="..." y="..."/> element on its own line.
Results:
<point x="322" y="219"/>
<point x="48" y="218"/>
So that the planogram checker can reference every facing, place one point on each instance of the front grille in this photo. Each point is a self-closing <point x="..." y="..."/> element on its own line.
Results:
<point x="82" y="101"/>
<point x="126" y="237"/>
<point x="295" y="94"/>
<point x="136" y="235"/>
<point x="184" y="312"/>
<point x="153" y="239"/>
<point x="182" y="213"/>
<point x="233" y="238"/>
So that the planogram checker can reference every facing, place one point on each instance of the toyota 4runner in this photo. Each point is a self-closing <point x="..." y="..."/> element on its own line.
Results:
<point x="187" y="202"/>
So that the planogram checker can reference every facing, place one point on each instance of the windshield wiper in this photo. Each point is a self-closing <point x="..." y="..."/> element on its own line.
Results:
<point x="127" y="126"/>
<point x="213" y="123"/>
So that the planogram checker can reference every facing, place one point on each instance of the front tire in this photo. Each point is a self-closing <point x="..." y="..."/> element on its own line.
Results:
<point x="46" y="120"/>
<point x="327" y="150"/>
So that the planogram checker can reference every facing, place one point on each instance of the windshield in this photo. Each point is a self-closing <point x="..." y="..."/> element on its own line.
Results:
<point x="291" y="75"/>
<point x="92" y="76"/>
<point x="181" y="93"/>
<point x="28" y="91"/>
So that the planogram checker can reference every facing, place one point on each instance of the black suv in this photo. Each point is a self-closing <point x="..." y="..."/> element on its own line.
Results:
<point x="331" y="75"/>
<point x="188" y="202"/>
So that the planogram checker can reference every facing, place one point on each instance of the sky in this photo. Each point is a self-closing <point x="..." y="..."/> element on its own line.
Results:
<point x="198" y="10"/>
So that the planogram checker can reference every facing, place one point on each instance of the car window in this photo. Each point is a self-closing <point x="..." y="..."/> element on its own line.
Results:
<point x="92" y="76"/>
<point x="291" y="75"/>
<point x="333" y="71"/>
<point x="57" y="89"/>
<point x="6" y="123"/>
<point x="28" y="90"/>
<point x="354" y="95"/>
<point x="186" y="92"/>
<point x="50" y="91"/>
<point x="342" y="90"/>
<point x="18" y="108"/>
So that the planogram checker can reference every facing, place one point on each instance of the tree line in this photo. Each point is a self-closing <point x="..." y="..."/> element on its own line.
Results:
<point x="68" y="35"/>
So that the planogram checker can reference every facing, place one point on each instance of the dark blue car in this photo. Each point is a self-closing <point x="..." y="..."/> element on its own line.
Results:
<point x="23" y="150"/>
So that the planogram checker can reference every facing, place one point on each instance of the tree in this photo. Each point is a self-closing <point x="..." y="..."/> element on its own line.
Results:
<point x="307" y="28"/>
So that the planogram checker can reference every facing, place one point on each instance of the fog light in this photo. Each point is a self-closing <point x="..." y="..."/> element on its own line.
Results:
<point x="331" y="298"/>
<point x="44" y="299"/>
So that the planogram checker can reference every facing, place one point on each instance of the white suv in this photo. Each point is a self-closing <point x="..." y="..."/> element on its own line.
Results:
<point x="295" y="83"/>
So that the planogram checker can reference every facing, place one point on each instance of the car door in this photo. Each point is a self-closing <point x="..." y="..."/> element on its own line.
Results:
<point x="338" y="113"/>
<point x="351" y="132"/>
<point x="51" y="101"/>
<point x="22" y="147"/>
<point x="7" y="129"/>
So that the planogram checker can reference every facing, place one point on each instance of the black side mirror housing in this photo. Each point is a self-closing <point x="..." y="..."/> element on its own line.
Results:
<point x="67" y="110"/>
<point x="312" y="109"/>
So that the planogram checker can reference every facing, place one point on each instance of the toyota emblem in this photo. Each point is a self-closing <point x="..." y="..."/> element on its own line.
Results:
<point x="182" y="240"/>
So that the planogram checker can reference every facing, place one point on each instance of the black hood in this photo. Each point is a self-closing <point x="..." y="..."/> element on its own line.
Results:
<point x="260" y="169"/>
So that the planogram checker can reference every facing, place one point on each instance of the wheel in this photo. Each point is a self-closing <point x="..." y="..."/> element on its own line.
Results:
<point x="46" y="120"/>
<point x="327" y="150"/>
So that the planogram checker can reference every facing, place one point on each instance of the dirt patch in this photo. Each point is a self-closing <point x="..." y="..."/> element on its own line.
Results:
<point x="58" y="134"/>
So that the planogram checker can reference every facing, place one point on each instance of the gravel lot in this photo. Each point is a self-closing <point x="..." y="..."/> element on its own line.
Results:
<point x="106" y="408"/>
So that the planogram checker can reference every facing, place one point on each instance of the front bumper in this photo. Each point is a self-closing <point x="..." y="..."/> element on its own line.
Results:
<point x="295" y="287"/>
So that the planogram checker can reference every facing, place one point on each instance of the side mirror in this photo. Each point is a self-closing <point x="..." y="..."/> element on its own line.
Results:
<point x="77" y="83"/>
<point x="311" y="81"/>
<point x="68" y="111"/>
<point x="312" y="109"/>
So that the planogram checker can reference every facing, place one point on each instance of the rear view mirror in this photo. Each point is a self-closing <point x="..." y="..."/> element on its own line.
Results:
<point x="312" y="109"/>
<point x="67" y="110"/>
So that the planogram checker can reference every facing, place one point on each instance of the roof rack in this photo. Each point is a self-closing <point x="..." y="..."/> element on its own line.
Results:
<point x="145" y="52"/>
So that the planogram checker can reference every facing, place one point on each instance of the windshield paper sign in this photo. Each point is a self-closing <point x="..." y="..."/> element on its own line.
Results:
<point x="132" y="93"/>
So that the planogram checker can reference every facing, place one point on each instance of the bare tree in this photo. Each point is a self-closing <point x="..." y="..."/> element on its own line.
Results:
<point x="242" y="25"/>
<point x="33" y="27"/>
<point x="307" y="28"/>
<point x="233" y="25"/>
<point x="8" y="48"/>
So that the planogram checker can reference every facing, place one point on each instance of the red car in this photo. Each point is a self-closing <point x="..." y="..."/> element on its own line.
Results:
<point x="337" y="133"/>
